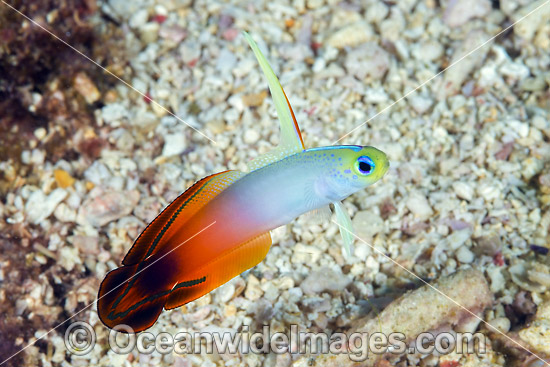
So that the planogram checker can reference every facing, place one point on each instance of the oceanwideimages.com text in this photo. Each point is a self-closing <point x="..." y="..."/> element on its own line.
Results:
<point x="80" y="339"/>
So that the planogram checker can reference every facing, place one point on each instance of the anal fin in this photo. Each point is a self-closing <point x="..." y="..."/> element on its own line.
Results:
<point x="219" y="270"/>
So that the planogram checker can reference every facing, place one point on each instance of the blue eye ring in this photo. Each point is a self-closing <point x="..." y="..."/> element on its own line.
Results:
<point x="364" y="165"/>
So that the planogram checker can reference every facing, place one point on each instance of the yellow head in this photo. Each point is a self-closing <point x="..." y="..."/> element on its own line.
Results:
<point x="348" y="168"/>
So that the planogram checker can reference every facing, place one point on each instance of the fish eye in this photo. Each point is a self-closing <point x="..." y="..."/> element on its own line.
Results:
<point x="364" y="165"/>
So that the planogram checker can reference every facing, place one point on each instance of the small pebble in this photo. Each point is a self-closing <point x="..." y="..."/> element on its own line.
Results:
<point x="367" y="224"/>
<point x="253" y="290"/>
<point x="40" y="206"/>
<point x="502" y="324"/>
<point x="174" y="144"/>
<point x="63" y="178"/>
<point x="40" y="133"/>
<point x="418" y="205"/>
<point x="324" y="280"/>
<point x="86" y="87"/>
<point x="149" y="32"/>
<point x="255" y="99"/>
<point x="351" y="35"/>
<point x="251" y="136"/>
<point x="106" y="207"/>
<point x="464" y="255"/>
<point x="139" y="18"/>
<point x="458" y="12"/>
<point x="463" y="190"/>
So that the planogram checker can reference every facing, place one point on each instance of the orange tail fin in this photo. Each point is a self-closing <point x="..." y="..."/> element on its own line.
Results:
<point x="132" y="296"/>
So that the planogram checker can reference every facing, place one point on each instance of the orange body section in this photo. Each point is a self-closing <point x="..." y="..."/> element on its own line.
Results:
<point x="196" y="244"/>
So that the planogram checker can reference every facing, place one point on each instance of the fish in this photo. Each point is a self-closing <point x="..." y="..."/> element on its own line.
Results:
<point x="220" y="226"/>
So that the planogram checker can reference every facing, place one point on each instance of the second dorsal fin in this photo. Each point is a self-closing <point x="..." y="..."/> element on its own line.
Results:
<point x="177" y="213"/>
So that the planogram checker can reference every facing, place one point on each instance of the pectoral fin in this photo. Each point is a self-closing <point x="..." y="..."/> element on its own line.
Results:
<point x="318" y="216"/>
<point x="346" y="228"/>
<point x="291" y="138"/>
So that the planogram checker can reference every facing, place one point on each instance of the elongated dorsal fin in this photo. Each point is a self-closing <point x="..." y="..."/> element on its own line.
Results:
<point x="291" y="138"/>
<point x="177" y="213"/>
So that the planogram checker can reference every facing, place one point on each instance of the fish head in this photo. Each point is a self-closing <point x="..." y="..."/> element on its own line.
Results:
<point x="349" y="168"/>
